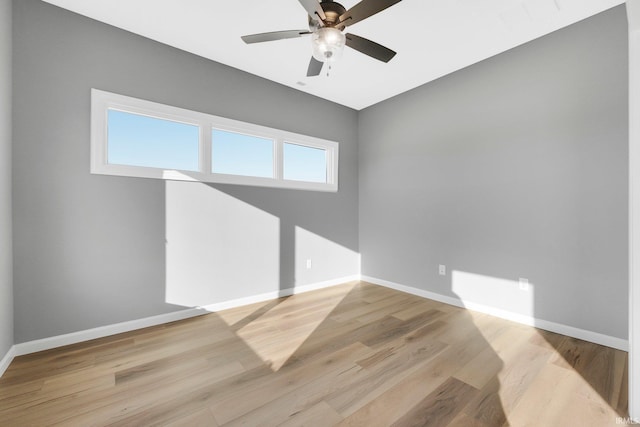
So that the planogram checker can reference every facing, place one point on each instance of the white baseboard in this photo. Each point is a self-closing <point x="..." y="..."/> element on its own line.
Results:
<point x="103" y="331"/>
<point x="559" y="328"/>
<point x="6" y="360"/>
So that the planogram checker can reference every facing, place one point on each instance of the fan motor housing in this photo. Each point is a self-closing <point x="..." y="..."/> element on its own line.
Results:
<point x="332" y="11"/>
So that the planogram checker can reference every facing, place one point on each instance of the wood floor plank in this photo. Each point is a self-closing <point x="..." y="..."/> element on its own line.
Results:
<point x="515" y="378"/>
<point x="318" y="415"/>
<point x="537" y="399"/>
<point x="115" y="403"/>
<point x="201" y="418"/>
<point x="619" y="377"/>
<point x="464" y="420"/>
<point x="371" y="382"/>
<point x="490" y="362"/>
<point x="623" y="400"/>
<point x="353" y="332"/>
<point x="440" y="407"/>
<point x="377" y="308"/>
<point x="241" y="400"/>
<point x="403" y="328"/>
<point x="312" y="393"/>
<point x="417" y="306"/>
<point x="487" y="407"/>
<point x="395" y="402"/>
<point x="352" y="355"/>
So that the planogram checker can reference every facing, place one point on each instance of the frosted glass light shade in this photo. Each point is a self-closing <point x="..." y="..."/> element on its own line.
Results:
<point x="328" y="44"/>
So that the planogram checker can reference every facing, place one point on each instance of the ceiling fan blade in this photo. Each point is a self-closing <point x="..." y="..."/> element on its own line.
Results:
<point x="370" y="48"/>
<point x="274" y="35"/>
<point x="313" y="8"/>
<point x="315" y="67"/>
<point x="363" y="10"/>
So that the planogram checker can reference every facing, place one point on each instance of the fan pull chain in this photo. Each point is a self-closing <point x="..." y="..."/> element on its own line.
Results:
<point x="328" y="70"/>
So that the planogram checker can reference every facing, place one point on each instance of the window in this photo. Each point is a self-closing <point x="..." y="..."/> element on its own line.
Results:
<point x="239" y="154"/>
<point x="302" y="163"/>
<point x="138" y="140"/>
<point x="133" y="137"/>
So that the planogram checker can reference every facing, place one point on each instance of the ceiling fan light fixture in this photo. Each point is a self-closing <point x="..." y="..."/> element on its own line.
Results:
<point x="328" y="44"/>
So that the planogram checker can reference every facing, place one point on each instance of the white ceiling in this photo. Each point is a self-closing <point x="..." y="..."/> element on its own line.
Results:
<point x="432" y="37"/>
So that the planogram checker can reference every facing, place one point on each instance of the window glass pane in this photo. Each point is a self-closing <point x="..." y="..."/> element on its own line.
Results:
<point x="302" y="163"/>
<point x="238" y="154"/>
<point x="138" y="140"/>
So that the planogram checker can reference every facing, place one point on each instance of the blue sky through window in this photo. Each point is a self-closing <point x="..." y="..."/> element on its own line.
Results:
<point x="302" y="163"/>
<point x="238" y="154"/>
<point x="138" y="140"/>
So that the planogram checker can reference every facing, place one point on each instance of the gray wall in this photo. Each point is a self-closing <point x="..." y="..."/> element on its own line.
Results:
<point x="6" y="262"/>
<point x="515" y="167"/>
<point x="95" y="250"/>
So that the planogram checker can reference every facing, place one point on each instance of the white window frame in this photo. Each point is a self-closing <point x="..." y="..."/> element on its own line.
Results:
<point x="102" y="102"/>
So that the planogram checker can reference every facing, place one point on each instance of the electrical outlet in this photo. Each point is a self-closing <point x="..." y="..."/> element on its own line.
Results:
<point x="309" y="264"/>
<point x="442" y="270"/>
<point x="524" y="284"/>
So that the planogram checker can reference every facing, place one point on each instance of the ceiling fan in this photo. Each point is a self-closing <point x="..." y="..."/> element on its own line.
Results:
<point x="327" y="21"/>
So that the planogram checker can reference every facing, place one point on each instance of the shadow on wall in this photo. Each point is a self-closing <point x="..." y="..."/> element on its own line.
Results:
<point x="226" y="242"/>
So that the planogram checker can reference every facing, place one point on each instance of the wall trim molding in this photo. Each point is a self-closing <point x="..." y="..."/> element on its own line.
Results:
<point x="103" y="331"/>
<point x="108" y="330"/>
<point x="559" y="328"/>
<point x="117" y="328"/>
<point x="6" y="360"/>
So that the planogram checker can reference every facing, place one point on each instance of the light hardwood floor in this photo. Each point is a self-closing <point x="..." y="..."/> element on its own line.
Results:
<point x="350" y="355"/>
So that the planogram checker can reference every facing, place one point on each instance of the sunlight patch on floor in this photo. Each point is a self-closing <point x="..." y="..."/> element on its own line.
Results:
<point x="562" y="394"/>
<point x="534" y="371"/>
<point x="555" y="389"/>
<point x="286" y="334"/>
